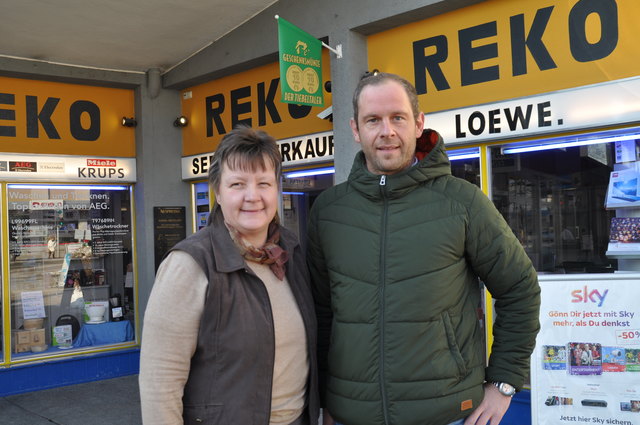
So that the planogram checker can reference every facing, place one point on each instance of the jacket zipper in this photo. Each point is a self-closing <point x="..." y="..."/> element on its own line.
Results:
<point x="383" y="240"/>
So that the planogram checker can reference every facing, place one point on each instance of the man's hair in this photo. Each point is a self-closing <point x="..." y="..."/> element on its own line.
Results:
<point x="377" y="78"/>
<point x="245" y="148"/>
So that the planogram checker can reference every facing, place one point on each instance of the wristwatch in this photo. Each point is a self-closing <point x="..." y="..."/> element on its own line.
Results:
<point x="505" y="389"/>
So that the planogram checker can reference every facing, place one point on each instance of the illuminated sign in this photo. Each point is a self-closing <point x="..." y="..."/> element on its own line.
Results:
<point x="307" y="149"/>
<point x="67" y="168"/>
<point x="314" y="148"/>
<point x="610" y="103"/>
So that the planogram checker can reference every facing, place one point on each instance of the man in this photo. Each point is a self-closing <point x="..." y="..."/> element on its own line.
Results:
<point x="395" y="254"/>
<point x="51" y="246"/>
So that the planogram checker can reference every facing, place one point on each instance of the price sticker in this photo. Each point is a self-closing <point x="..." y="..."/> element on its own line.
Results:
<point x="628" y="337"/>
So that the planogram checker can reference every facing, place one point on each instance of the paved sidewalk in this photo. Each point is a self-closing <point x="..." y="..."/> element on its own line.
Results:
<point x="108" y="402"/>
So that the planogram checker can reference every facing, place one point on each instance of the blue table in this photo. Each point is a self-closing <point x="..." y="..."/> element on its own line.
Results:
<point x="104" y="333"/>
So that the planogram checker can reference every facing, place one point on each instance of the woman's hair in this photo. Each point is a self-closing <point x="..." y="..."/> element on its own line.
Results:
<point x="377" y="78"/>
<point x="244" y="148"/>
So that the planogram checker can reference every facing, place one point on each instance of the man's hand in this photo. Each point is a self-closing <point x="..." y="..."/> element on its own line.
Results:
<point x="327" y="419"/>
<point x="492" y="409"/>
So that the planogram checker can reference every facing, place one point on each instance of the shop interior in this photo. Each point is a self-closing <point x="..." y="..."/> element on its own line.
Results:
<point x="556" y="196"/>
<point x="555" y="199"/>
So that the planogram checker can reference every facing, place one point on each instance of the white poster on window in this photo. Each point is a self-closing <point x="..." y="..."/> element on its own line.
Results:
<point x="32" y="304"/>
<point x="585" y="368"/>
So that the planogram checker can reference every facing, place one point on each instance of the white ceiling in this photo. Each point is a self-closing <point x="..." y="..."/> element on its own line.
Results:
<point x="124" y="35"/>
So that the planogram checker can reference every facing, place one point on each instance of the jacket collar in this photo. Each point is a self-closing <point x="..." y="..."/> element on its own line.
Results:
<point x="227" y="257"/>
<point x="434" y="163"/>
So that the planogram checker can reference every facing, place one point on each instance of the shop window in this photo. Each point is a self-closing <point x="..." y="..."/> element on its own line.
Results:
<point x="2" y="350"/>
<point x="554" y="201"/>
<point x="465" y="164"/>
<point x="71" y="268"/>
<point x="202" y="204"/>
<point x="299" y="192"/>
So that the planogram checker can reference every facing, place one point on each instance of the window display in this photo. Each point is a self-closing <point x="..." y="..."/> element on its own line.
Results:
<point x="554" y="201"/>
<point x="70" y="268"/>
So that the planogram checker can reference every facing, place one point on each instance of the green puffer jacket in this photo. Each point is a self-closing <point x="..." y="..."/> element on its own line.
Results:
<point x="395" y="263"/>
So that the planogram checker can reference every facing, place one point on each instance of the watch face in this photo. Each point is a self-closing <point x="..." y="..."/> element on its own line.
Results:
<point x="506" y="389"/>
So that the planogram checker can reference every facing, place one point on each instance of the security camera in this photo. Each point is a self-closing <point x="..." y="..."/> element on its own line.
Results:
<point x="327" y="114"/>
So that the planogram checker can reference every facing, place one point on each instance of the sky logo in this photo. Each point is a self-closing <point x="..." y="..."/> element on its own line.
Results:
<point x="584" y="296"/>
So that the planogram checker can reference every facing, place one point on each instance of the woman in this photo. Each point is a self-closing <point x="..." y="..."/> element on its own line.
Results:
<point x="229" y="330"/>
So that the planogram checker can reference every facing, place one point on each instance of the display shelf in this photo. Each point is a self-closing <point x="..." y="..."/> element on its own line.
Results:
<point x="624" y="238"/>
<point x="626" y="255"/>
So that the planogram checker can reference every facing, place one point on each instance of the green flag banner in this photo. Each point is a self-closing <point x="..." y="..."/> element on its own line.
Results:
<point x="300" y="65"/>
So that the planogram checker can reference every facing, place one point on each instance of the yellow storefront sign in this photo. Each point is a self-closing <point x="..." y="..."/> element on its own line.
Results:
<point x="57" y="118"/>
<point x="504" y="49"/>
<point x="251" y="98"/>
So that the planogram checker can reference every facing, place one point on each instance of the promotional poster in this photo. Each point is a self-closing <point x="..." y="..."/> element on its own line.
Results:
<point x="586" y="365"/>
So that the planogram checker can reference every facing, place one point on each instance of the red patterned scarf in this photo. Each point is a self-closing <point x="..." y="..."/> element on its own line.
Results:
<point x="271" y="253"/>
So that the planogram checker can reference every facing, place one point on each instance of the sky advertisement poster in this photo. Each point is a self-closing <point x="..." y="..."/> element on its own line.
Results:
<point x="586" y="365"/>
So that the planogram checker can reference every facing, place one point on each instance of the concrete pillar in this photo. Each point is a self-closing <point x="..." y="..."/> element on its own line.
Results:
<point x="345" y="74"/>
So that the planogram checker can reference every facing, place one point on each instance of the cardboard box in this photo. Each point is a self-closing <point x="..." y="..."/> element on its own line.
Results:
<point x="23" y="337"/>
<point x="24" y="340"/>
<point x="37" y="337"/>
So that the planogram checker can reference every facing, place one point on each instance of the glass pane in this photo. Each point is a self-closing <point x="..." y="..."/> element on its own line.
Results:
<point x="70" y="271"/>
<point x="298" y="195"/>
<point x="201" y="203"/>
<point x="554" y="202"/>
<point x="467" y="169"/>
<point x="2" y="350"/>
